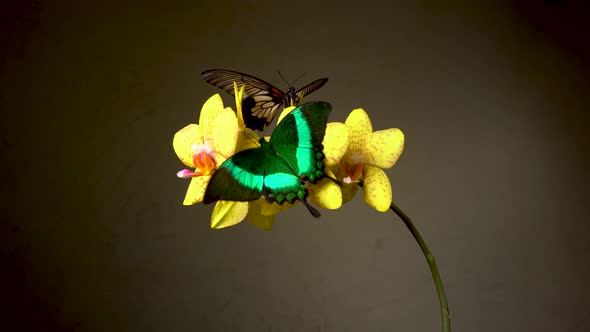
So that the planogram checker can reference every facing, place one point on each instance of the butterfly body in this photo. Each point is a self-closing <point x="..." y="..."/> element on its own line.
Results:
<point x="262" y="100"/>
<point x="291" y="98"/>
<point x="280" y="168"/>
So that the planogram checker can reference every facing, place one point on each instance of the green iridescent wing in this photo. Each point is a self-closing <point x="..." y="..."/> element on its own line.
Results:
<point x="279" y="168"/>
<point x="298" y="139"/>
<point x="253" y="173"/>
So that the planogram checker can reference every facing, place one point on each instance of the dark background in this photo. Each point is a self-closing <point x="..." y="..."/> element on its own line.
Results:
<point x="492" y="100"/>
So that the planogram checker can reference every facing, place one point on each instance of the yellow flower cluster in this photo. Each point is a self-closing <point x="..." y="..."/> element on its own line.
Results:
<point x="354" y="153"/>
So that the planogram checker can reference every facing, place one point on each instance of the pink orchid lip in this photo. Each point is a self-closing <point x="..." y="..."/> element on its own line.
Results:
<point x="203" y="159"/>
<point x="185" y="173"/>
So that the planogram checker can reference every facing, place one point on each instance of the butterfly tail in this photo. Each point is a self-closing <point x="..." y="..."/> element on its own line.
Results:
<point x="311" y="209"/>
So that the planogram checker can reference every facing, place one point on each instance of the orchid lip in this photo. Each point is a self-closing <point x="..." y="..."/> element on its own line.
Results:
<point x="203" y="158"/>
<point x="354" y="171"/>
<point x="185" y="174"/>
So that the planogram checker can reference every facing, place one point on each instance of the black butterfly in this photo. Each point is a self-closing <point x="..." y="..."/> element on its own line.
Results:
<point x="262" y="100"/>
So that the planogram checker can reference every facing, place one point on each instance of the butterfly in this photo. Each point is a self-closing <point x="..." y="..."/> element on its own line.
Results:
<point x="280" y="168"/>
<point x="262" y="100"/>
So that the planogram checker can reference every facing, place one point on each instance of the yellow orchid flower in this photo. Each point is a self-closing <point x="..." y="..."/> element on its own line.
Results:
<point x="204" y="147"/>
<point x="367" y="155"/>
<point x="196" y="150"/>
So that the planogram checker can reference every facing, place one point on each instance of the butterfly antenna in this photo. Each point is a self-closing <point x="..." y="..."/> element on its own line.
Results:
<point x="311" y="209"/>
<point x="281" y="75"/>
<point x="298" y="77"/>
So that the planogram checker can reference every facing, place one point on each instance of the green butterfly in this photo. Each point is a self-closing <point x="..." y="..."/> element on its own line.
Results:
<point x="277" y="169"/>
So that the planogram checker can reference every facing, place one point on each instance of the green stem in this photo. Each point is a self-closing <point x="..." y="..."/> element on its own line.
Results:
<point x="445" y="314"/>
<point x="442" y="298"/>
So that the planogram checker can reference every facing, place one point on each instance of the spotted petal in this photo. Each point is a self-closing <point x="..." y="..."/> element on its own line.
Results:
<point x="359" y="133"/>
<point x="335" y="142"/>
<point x="385" y="147"/>
<point x="228" y="213"/>
<point x="377" y="189"/>
<point x="325" y="194"/>
<point x="209" y="112"/>
<point x="183" y="141"/>
<point x="196" y="190"/>
<point x="224" y="135"/>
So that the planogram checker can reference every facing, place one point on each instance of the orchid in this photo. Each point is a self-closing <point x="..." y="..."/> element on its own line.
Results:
<point x="368" y="154"/>
<point x="203" y="147"/>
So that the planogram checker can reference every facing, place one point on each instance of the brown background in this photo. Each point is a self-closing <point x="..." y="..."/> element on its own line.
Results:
<point x="493" y="102"/>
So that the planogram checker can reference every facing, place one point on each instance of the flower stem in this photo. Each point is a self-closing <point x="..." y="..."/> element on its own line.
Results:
<point x="442" y="298"/>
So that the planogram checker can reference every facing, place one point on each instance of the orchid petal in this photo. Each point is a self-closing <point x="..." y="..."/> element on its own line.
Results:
<point x="183" y="141"/>
<point x="359" y="132"/>
<point x="247" y="139"/>
<point x="228" y="213"/>
<point x="335" y="142"/>
<point x="348" y="192"/>
<point x="256" y="217"/>
<point x="269" y="209"/>
<point x="385" y="148"/>
<point x="239" y="96"/>
<point x="325" y="194"/>
<point x="224" y="135"/>
<point x="209" y="112"/>
<point x="285" y="111"/>
<point x="377" y="189"/>
<point x="196" y="190"/>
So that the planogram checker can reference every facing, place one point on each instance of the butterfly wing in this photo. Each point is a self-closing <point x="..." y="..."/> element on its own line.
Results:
<point x="252" y="173"/>
<point x="224" y="79"/>
<point x="298" y="139"/>
<point x="261" y="99"/>
<point x="311" y="87"/>
<point x="260" y="110"/>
